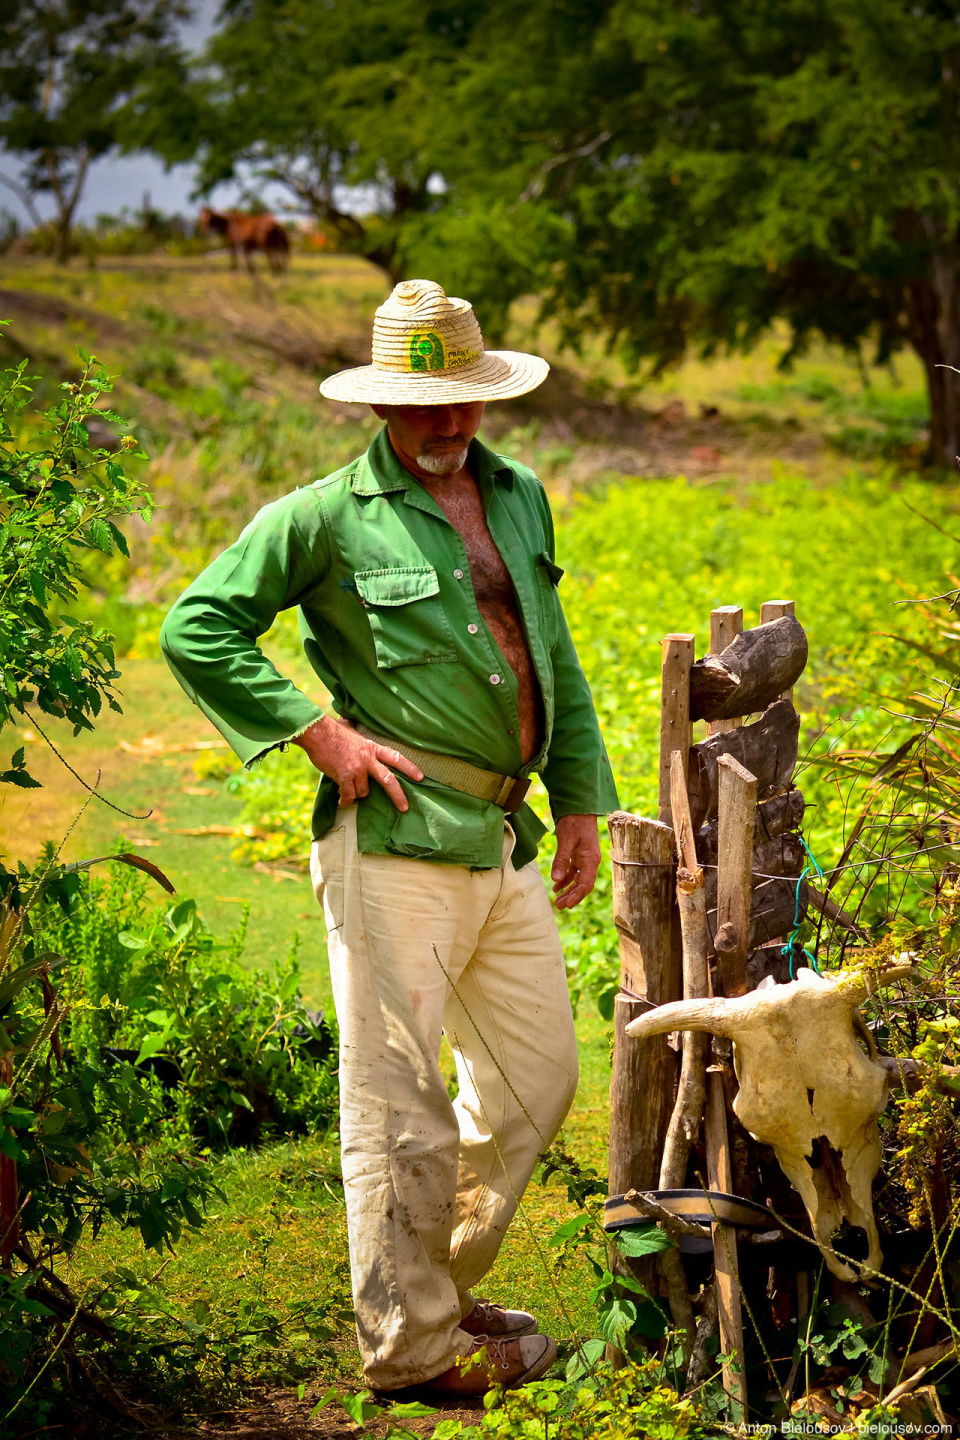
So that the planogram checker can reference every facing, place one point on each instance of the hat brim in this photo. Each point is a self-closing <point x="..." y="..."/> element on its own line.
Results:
<point x="497" y="375"/>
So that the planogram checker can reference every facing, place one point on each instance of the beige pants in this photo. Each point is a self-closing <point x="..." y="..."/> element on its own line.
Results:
<point x="418" y="948"/>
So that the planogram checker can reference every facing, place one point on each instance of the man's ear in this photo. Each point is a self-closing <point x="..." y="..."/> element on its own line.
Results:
<point x="380" y="411"/>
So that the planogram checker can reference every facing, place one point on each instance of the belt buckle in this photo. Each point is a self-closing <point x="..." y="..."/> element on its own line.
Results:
<point x="517" y="795"/>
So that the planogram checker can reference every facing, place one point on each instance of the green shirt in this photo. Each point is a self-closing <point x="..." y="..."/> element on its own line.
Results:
<point x="389" y="621"/>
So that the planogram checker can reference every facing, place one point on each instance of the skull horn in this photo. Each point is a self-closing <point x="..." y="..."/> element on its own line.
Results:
<point x="703" y="1015"/>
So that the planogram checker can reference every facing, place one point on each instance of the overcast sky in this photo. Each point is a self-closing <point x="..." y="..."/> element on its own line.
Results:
<point x="115" y="182"/>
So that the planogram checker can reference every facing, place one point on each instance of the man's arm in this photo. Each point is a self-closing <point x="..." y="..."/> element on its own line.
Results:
<point x="210" y="639"/>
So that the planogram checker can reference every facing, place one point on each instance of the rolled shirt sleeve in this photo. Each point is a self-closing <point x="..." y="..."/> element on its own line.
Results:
<point x="209" y="638"/>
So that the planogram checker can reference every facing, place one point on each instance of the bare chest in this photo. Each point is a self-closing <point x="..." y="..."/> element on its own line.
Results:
<point x="491" y="580"/>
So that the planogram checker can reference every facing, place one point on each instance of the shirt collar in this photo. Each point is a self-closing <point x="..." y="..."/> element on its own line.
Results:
<point x="378" y="472"/>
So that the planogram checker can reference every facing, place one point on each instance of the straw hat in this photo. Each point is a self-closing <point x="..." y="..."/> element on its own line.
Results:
<point x="428" y="350"/>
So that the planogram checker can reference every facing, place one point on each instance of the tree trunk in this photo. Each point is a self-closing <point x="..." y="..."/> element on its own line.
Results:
<point x="933" y="310"/>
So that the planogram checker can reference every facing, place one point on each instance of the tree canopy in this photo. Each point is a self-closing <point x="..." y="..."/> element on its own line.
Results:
<point x="675" y="175"/>
<point x="67" y="70"/>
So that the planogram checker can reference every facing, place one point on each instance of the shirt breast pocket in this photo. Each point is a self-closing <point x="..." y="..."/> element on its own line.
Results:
<point x="406" y="616"/>
<point x="548" y="578"/>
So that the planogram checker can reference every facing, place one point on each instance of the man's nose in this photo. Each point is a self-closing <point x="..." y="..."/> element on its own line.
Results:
<point x="445" y="421"/>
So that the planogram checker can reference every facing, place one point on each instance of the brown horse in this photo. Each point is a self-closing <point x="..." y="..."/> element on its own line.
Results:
<point x="246" y="233"/>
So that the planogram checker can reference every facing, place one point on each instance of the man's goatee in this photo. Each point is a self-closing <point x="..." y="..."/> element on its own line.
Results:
<point x="442" y="464"/>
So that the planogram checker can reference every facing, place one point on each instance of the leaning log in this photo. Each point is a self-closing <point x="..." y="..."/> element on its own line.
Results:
<point x="756" y="668"/>
<point x="767" y="748"/>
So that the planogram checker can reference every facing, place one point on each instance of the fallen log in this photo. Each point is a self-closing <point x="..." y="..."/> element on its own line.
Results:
<point x="756" y="667"/>
<point x="767" y="748"/>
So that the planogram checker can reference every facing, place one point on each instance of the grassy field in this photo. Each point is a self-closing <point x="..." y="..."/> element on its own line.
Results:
<point x="723" y="482"/>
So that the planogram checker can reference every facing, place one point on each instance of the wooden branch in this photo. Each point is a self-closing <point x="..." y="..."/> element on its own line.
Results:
<point x="675" y="733"/>
<point x="737" y="820"/>
<point x="925" y="1359"/>
<point x="755" y="669"/>
<point x="678" y="1298"/>
<point x="830" y="910"/>
<point x="691" y="1092"/>
<point x="767" y="748"/>
<point x="643" y="1078"/>
<point x="726" y="622"/>
<point x="701" y="1363"/>
<point x="675" y="1226"/>
<point x="641" y="1085"/>
<point x="726" y="1279"/>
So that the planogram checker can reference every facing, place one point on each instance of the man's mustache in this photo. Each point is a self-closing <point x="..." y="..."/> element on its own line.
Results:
<point x="435" y="440"/>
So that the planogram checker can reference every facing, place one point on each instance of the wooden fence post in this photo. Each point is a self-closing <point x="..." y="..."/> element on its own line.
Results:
<point x="726" y="622"/>
<point x="726" y="1280"/>
<point x="641" y="1086"/>
<point x="775" y="610"/>
<point x="737" y="814"/>
<point x="643" y="1076"/>
<point x="675" y="728"/>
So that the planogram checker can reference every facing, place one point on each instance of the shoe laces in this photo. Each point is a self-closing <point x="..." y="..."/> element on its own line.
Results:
<point x="487" y="1310"/>
<point x="496" y="1348"/>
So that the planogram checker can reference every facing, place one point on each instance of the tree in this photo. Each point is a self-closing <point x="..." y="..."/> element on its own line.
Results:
<point x="337" y="104"/>
<point x="67" y="70"/>
<point x="725" y="163"/>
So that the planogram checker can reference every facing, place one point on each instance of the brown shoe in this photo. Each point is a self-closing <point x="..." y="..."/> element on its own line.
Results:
<point x="494" y="1362"/>
<point x="488" y="1319"/>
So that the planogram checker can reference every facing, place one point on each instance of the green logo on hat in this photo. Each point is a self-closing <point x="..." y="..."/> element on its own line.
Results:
<point x="426" y="351"/>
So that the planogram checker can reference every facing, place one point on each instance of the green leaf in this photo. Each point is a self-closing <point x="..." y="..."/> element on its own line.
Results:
<point x="19" y="1118"/>
<point x="358" y="1407"/>
<point x="641" y="1240"/>
<point x="327" y="1398"/>
<point x="409" y="1410"/>
<point x="98" y="534"/>
<point x="574" y="1226"/>
<point x="584" y="1358"/>
<point x="152" y="1045"/>
<point x="616" y="1319"/>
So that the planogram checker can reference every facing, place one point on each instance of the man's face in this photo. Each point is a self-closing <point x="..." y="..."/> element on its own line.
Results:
<point x="432" y="439"/>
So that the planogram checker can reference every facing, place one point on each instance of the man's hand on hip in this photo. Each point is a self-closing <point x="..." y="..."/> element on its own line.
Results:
<point x="577" y="861"/>
<point x="338" y="751"/>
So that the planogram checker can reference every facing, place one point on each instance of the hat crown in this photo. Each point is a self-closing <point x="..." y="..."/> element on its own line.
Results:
<point x="420" y="330"/>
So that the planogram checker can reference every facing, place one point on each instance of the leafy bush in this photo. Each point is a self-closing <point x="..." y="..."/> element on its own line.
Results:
<point x="243" y="1057"/>
<point x="59" y="500"/>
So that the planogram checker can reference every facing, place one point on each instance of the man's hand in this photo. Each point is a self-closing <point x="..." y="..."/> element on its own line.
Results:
<point x="338" y="751"/>
<point x="578" y="859"/>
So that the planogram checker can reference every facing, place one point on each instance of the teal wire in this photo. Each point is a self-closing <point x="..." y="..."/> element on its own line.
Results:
<point x="793" y="945"/>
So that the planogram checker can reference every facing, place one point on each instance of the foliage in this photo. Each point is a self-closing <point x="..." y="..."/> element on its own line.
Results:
<point x="66" y="75"/>
<point x="317" y="101"/>
<point x="59" y="499"/>
<point x="241" y="1056"/>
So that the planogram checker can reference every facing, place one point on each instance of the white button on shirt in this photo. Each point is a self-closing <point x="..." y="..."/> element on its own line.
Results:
<point x="472" y="629"/>
<point x="458" y="574"/>
<point x="494" y="679"/>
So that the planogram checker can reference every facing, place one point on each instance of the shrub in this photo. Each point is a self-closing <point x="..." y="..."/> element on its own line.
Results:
<point x="153" y="988"/>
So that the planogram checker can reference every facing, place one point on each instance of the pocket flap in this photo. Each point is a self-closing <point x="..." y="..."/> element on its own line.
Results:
<point x="553" y="570"/>
<point x="397" y="587"/>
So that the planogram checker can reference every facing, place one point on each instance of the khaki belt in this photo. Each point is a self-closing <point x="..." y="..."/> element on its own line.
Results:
<point x="507" y="791"/>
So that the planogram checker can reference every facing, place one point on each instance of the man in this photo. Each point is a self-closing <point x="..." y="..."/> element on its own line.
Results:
<point x="425" y="579"/>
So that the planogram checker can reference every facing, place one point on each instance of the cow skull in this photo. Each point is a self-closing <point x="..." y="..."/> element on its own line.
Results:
<point x="806" y="1088"/>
